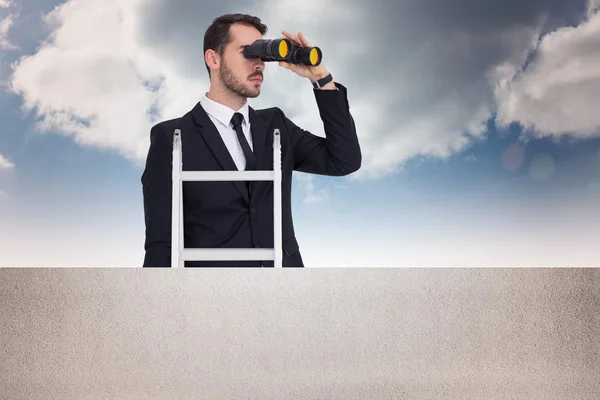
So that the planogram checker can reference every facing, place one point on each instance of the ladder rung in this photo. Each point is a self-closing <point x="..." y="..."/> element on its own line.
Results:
<point x="227" y="176"/>
<point x="227" y="254"/>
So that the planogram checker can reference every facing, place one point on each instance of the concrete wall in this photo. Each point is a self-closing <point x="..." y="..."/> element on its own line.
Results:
<point x="299" y="334"/>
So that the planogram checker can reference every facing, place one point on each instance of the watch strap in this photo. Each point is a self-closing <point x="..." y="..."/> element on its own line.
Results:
<point x="322" y="82"/>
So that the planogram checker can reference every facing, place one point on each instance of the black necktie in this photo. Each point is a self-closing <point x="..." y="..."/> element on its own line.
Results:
<point x="236" y="120"/>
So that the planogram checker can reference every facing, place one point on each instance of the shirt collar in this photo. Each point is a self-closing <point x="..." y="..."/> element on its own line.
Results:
<point x="221" y="112"/>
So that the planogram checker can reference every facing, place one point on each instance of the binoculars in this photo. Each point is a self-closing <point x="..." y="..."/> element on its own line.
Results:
<point x="283" y="50"/>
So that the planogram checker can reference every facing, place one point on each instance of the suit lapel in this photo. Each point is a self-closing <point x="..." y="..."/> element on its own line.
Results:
<point x="216" y="145"/>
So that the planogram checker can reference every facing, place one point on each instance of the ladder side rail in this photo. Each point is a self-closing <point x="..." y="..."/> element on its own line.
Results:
<point x="277" y="178"/>
<point x="176" y="184"/>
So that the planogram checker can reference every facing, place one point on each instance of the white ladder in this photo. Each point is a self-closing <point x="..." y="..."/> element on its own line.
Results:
<point x="180" y="254"/>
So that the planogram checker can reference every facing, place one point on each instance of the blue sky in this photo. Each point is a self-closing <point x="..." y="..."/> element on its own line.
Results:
<point x="470" y="159"/>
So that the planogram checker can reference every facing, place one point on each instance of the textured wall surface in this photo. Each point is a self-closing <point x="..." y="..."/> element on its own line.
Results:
<point x="299" y="334"/>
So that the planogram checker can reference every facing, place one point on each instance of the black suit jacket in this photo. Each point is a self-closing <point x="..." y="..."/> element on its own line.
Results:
<point x="224" y="214"/>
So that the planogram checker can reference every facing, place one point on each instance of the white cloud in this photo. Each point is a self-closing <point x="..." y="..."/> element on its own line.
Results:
<point x="93" y="80"/>
<point x="312" y="194"/>
<point x="5" y="163"/>
<point x="592" y="8"/>
<point x="5" y="25"/>
<point x="559" y="91"/>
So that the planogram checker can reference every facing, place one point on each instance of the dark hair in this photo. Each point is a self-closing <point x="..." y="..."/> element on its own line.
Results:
<point x="217" y="36"/>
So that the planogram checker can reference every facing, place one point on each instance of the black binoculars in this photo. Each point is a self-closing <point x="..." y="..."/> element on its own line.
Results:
<point x="283" y="50"/>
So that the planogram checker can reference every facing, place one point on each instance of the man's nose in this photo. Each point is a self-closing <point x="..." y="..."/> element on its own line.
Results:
<point x="259" y="66"/>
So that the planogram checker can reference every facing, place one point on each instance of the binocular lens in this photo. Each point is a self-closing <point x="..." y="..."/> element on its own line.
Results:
<point x="314" y="56"/>
<point x="283" y="50"/>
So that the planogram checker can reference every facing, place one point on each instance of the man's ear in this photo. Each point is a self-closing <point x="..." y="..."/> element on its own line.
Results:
<point x="212" y="59"/>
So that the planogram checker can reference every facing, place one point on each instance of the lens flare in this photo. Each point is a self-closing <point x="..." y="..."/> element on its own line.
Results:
<point x="513" y="157"/>
<point x="542" y="167"/>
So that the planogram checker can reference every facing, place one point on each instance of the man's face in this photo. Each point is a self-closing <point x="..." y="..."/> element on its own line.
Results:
<point x="239" y="74"/>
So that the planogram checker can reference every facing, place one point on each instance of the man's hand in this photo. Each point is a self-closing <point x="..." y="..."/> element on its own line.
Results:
<point x="312" y="73"/>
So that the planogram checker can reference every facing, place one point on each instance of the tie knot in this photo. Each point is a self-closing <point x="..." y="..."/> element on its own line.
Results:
<point x="237" y="119"/>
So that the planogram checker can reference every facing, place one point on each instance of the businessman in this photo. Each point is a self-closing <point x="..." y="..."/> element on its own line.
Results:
<point x="222" y="132"/>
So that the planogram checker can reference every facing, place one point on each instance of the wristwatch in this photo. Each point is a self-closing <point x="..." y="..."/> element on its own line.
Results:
<point x="322" y="82"/>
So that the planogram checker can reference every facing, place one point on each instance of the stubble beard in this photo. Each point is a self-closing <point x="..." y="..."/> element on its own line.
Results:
<point x="234" y="85"/>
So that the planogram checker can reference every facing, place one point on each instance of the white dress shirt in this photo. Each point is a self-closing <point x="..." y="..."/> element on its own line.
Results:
<point x="221" y="116"/>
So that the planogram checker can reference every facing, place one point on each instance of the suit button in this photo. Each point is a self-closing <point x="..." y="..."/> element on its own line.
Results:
<point x="257" y="246"/>
<point x="252" y="211"/>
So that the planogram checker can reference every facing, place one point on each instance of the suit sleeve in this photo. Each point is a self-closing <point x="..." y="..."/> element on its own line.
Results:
<point x="339" y="152"/>
<point x="157" y="190"/>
